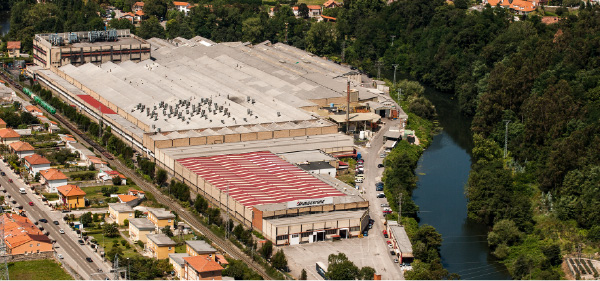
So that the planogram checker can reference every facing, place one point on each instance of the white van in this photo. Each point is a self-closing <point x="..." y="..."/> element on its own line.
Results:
<point x="22" y="190"/>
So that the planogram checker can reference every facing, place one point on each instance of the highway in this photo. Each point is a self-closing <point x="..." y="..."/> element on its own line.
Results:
<point x="66" y="244"/>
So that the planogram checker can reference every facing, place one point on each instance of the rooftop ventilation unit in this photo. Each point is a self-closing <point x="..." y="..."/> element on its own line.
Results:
<point x="278" y="114"/>
<point x="73" y="38"/>
<point x="111" y="35"/>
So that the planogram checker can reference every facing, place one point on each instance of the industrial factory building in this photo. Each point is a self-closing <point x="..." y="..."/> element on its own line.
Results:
<point x="58" y="49"/>
<point x="222" y="118"/>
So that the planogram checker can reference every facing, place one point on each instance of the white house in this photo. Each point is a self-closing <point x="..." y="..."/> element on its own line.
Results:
<point x="184" y="7"/>
<point x="36" y="163"/>
<point x="22" y="149"/>
<point x="53" y="178"/>
<point x="8" y="136"/>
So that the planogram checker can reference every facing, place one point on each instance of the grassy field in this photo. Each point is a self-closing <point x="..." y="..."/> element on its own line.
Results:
<point x="37" y="270"/>
<point x="182" y="248"/>
<point x="95" y="192"/>
<point x="108" y="243"/>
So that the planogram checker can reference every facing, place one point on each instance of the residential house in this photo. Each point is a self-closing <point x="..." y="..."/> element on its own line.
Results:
<point x="8" y="136"/>
<point x="23" y="132"/>
<point x="14" y="48"/>
<point x="67" y="138"/>
<point x="53" y="178"/>
<point x="161" y="218"/>
<point x="34" y="110"/>
<point x="96" y="161"/>
<point x="137" y="193"/>
<point x="120" y="212"/>
<point x="130" y="200"/>
<point x="178" y="263"/>
<point x="2" y="124"/>
<point x="107" y="175"/>
<point x="518" y="6"/>
<point x="137" y="6"/>
<point x="221" y="260"/>
<point x="22" y="149"/>
<point x="36" y="163"/>
<point x="79" y="148"/>
<point x="331" y="4"/>
<point x="201" y="268"/>
<point x="71" y="196"/>
<point x="314" y="11"/>
<point x="199" y="247"/>
<point x="21" y="236"/>
<point x="183" y="7"/>
<point x="139" y="228"/>
<point x="160" y="245"/>
<point x="294" y="10"/>
<point x="129" y="16"/>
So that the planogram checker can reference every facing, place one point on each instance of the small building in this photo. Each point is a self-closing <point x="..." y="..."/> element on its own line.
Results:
<point x="21" y="236"/>
<point x="2" y="124"/>
<point x="201" y="268"/>
<point x="183" y="7"/>
<point x="137" y="193"/>
<point x="392" y="136"/>
<point x="22" y="149"/>
<point x="14" y="48"/>
<point x="71" y="196"/>
<point x="331" y="4"/>
<point x="221" y="260"/>
<point x="139" y="228"/>
<point x="137" y="6"/>
<point x="198" y="247"/>
<point x="178" y="263"/>
<point x="160" y="245"/>
<point x="161" y="218"/>
<point x="8" y="136"/>
<point x="79" y="148"/>
<point x="314" y="11"/>
<point x="120" y="212"/>
<point x="53" y="178"/>
<point x="389" y="145"/>
<point x="130" y="200"/>
<point x="319" y="167"/>
<point x="34" y="110"/>
<point x="36" y="163"/>
<point x="401" y="245"/>
<point x="96" y="161"/>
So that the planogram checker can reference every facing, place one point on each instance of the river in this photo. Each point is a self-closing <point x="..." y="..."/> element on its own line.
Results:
<point x="4" y="22"/>
<point x="443" y="171"/>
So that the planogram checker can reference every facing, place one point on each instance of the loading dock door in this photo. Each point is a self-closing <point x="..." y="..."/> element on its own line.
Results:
<point x="344" y="233"/>
<point x="320" y="235"/>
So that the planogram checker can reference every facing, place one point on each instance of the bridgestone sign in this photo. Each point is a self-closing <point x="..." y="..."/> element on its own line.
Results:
<point x="310" y="202"/>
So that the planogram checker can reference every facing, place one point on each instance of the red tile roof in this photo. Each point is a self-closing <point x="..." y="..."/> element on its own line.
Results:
<point x="126" y="198"/>
<point x="141" y="4"/>
<point x="36" y="159"/>
<point x="2" y="122"/>
<point x="203" y="263"/>
<point x="96" y="160"/>
<point x="258" y="178"/>
<point x="313" y="7"/>
<point x="176" y="3"/>
<point x="70" y="190"/>
<point x="33" y="108"/>
<point x="8" y="133"/>
<point x="331" y="3"/>
<point x="94" y="102"/>
<point x="139" y="13"/>
<point x="13" y="45"/>
<point x="21" y="146"/>
<point x="53" y="174"/>
<point x="19" y="230"/>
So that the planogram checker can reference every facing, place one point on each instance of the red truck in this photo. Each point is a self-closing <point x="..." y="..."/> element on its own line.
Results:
<point x="385" y="234"/>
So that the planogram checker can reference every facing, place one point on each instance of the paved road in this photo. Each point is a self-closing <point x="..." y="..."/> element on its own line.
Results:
<point x="66" y="244"/>
<point x="373" y="175"/>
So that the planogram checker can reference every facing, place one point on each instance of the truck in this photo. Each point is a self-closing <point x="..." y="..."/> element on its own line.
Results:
<point x="385" y="234"/>
<point x="22" y="190"/>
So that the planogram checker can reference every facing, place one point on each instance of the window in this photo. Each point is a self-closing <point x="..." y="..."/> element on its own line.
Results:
<point x="282" y="237"/>
<point x="170" y="248"/>
<point x="30" y="245"/>
<point x="38" y="244"/>
<point x="355" y="228"/>
<point x="306" y="234"/>
<point x="169" y="220"/>
<point x="294" y="235"/>
<point x="331" y="231"/>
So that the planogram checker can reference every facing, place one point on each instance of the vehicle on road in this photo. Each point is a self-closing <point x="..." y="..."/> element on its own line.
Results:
<point x="30" y="203"/>
<point x="385" y="205"/>
<point x="89" y="259"/>
<point x="60" y="256"/>
<point x="3" y="173"/>
<point x="396" y="260"/>
<point x="80" y="242"/>
<point x="14" y="201"/>
<point x="10" y="180"/>
<point x="382" y="155"/>
<point x="381" y="195"/>
<point x="380" y="166"/>
<point x="61" y="231"/>
<point x="22" y="190"/>
<point x="321" y="269"/>
<point x="44" y="220"/>
<point x="385" y="234"/>
<point x="365" y="233"/>
<point x="55" y="222"/>
<point x="358" y="179"/>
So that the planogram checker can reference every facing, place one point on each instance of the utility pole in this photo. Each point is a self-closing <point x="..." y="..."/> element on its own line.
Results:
<point x="506" y="137"/>
<point x="393" y="37"/>
<point x="395" y="67"/>
<point x="400" y="209"/>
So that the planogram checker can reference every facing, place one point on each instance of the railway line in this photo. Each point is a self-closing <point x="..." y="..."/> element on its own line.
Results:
<point x="225" y="245"/>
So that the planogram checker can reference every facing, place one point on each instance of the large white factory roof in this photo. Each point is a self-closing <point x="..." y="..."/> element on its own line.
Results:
<point x="191" y="84"/>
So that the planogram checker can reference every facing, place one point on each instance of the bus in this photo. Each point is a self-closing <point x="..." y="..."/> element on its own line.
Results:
<point x="321" y="269"/>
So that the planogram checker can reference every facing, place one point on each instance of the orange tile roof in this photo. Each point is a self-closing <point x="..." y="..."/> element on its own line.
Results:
<point x="13" y="45"/>
<point x="9" y="133"/>
<point x="96" y="160"/>
<point x="313" y="7"/>
<point x="33" y="108"/>
<point x="176" y="3"/>
<point x="139" y="13"/>
<point x="2" y="122"/>
<point x="141" y="4"/>
<point x="330" y="2"/>
<point x="36" y="159"/>
<point x="70" y="190"/>
<point x="221" y="259"/>
<point x="329" y="18"/>
<point x="21" y="146"/>
<point x="126" y="198"/>
<point x="19" y="230"/>
<point x="53" y="174"/>
<point x="203" y="263"/>
<point x="136" y="191"/>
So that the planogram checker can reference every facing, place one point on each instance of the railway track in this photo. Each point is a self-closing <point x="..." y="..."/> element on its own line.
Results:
<point x="225" y="245"/>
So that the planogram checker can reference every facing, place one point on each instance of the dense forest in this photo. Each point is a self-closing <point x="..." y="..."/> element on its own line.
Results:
<point x="514" y="74"/>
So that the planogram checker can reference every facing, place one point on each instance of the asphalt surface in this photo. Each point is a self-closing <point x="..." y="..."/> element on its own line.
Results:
<point x="66" y="244"/>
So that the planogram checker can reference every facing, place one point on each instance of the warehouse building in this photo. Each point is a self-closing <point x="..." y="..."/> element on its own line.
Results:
<point x="58" y="49"/>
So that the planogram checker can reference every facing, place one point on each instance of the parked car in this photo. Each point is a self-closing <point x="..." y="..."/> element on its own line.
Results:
<point x="365" y="233"/>
<point x="358" y="180"/>
<point x="55" y="222"/>
<point x="80" y="242"/>
<point x="387" y="212"/>
<point x="10" y="180"/>
<point x="89" y="259"/>
<point x="360" y="161"/>
<point x="3" y="173"/>
<point x="381" y="195"/>
<point x="385" y="205"/>
<point x="396" y="260"/>
<point x="30" y="203"/>
<point x="382" y="155"/>
<point x="61" y="231"/>
<point x="380" y="165"/>
<point x="60" y="256"/>
<point x="44" y="220"/>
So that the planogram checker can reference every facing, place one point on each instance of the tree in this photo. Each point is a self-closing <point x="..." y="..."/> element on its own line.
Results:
<point x="303" y="275"/>
<point x="155" y="8"/>
<point x="252" y="30"/>
<point x="161" y="176"/>
<point x="86" y="219"/>
<point x="279" y="260"/>
<point x="125" y="222"/>
<point x="167" y="231"/>
<point x="110" y="230"/>
<point x="91" y="167"/>
<point x="151" y="28"/>
<point x="267" y="249"/>
<point x="303" y="10"/>
<point x="116" y="180"/>
<point x="322" y="38"/>
<point x="340" y="268"/>
<point x="366" y="273"/>
<point x="37" y="177"/>
<point x="115" y="250"/>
